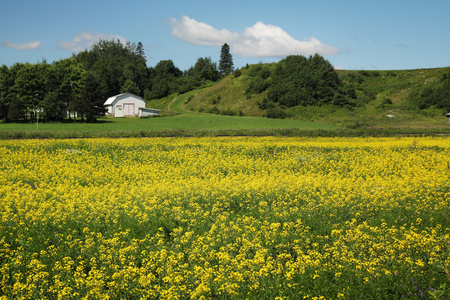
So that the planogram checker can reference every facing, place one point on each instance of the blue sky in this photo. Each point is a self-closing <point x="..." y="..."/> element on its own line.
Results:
<point x="351" y="34"/>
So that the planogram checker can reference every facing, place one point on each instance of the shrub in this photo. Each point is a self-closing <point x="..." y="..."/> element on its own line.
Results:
<point x="217" y="100"/>
<point x="385" y="103"/>
<point x="227" y="112"/>
<point x="213" y="110"/>
<point x="276" y="113"/>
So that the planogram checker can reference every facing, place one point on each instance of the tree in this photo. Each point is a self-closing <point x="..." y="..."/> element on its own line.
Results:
<point x="15" y="110"/>
<point x="204" y="69"/>
<point x="164" y="79"/>
<point x="70" y="78"/>
<point x="116" y="63"/>
<point x="140" y="51"/>
<point x="298" y="80"/>
<point x="52" y="107"/>
<point x="92" y="98"/>
<point x="130" y="87"/>
<point x="6" y="83"/>
<point x="226" y="60"/>
<point x="30" y="85"/>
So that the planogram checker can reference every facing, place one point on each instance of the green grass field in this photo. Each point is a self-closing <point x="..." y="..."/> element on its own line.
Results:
<point x="181" y="122"/>
<point x="188" y="122"/>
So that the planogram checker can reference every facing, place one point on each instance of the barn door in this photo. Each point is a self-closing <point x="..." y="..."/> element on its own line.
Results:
<point x="128" y="109"/>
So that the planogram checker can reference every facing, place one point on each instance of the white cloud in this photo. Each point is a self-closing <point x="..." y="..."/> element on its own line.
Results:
<point x="260" y="40"/>
<point x="85" y="40"/>
<point x="194" y="32"/>
<point x="263" y="40"/>
<point x="26" y="46"/>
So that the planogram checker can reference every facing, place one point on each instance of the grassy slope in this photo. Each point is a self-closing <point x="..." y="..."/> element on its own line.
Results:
<point x="396" y="86"/>
<point x="228" y="94"/>
<point x="372" y="88"/>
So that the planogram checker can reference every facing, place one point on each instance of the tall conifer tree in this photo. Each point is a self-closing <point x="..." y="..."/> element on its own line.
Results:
<point x="226" y="60"/>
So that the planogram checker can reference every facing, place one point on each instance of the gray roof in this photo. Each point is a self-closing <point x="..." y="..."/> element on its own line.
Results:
<point x="113" y="98"/>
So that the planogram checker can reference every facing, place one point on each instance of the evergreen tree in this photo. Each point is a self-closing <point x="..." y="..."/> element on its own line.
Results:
<point x="226" y="60"/>
<point x="140" y="51"/>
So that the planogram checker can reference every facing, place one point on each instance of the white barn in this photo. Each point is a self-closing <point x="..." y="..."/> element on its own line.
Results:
<point x="124" y="105"/>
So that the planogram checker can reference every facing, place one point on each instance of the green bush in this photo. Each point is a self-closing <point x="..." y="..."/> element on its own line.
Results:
<point x="276" y="113"/>
<point x="227" y="112"/>
<point x="213" y="110"/>
<point x="301" y="81"/>
<point x="435" y="95"/>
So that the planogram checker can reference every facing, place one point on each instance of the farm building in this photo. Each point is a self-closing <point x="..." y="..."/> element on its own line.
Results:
<point x="125" y="105"/>
<point x="148" y="112"/>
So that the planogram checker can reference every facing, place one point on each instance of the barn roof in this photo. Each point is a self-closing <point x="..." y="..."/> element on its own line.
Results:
<point x="111" y="100"/>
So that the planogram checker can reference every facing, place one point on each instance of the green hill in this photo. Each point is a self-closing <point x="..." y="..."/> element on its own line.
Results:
<point x="378" y="94"/>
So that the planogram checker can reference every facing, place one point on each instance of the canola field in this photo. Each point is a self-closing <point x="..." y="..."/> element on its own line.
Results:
<point x="225" y="218"/>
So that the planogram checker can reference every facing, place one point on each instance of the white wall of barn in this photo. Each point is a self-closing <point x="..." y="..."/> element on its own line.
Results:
<point x="130" y="105"/>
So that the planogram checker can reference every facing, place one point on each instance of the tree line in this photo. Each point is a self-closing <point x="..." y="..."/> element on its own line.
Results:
<point x="79" y="85"/>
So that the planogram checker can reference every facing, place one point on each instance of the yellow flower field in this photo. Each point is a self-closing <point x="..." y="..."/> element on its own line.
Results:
<point x="225" y="218"/>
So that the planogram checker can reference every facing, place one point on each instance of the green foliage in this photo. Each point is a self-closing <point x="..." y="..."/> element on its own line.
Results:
<point x="68" y="76"/>
<point x="52" y="107"/>
<point x="385" y="103"/>
<point x="436" y="95"/>
<point x="15" y="111"/>
<point x="164" y="79"/>
<point x="265" y="103"/>
<point x="116" y="62"/>
<point x="6" y="95"/>
<point x="213" y="110"/>
<point x="259" y="79"/>
<point x="229" y="112"/>
<point x="91" y="102"/>
<point x="298" y="80"/>
<point x="216" y="100"/>
<point x="276" y="113"/>
<point x="203" y="70"/>
<point x="30" y="84"/>
<point x="130" y="87"/>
